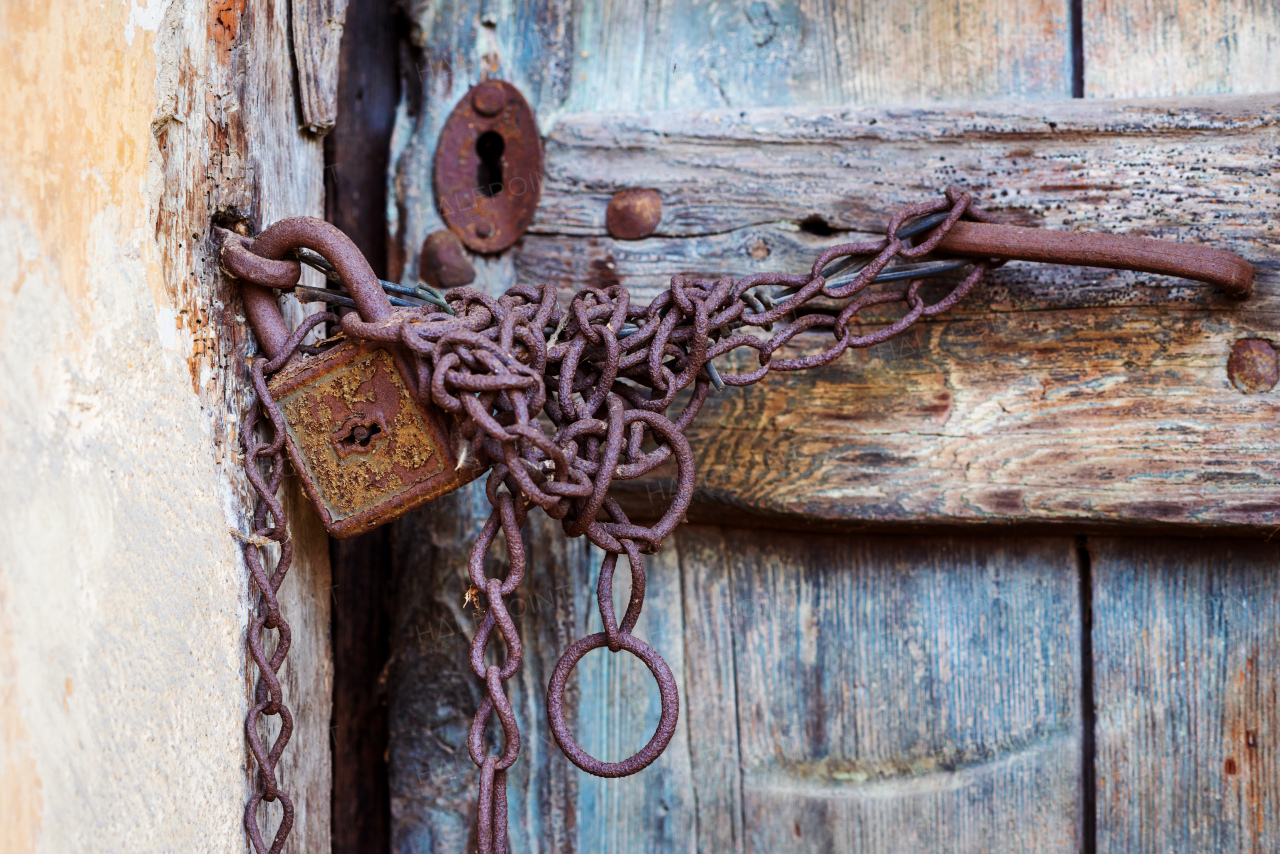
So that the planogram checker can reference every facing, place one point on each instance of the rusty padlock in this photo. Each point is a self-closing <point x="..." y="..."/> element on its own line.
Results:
<point x="368" y="446"/>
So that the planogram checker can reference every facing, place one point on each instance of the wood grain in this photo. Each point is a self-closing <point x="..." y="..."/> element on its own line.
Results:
<point x="638" y="56"/>
<point x="854" y="692"/>
<point x="317" y="41"/>
<point x="612" y="702"/>
<point x="711" y="696"/>
<point x="283" y="176"/>
<point x="1152" y="48"/>
<point x="618" y="711"/>
<point x="930" y="684"/>
<point x="899" y="694"/>
<point x="1186" y="655"/>
<point x="433" y="693"/>
<point x="226" y="151"/>
<point x="1051" y="395"/>
<point x="580" y="58"/>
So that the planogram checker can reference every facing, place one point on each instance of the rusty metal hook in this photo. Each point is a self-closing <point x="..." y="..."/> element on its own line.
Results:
<point x="1228" y="271"/>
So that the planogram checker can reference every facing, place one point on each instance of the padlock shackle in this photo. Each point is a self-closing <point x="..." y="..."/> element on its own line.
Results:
<point x="265" y="319"/>
<point x="260" y="265"/>
<point x="304" y="232"/>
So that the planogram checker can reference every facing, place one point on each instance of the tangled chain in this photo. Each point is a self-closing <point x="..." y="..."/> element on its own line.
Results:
<point x="604" y="374"/>
<point x="504" y="362"/>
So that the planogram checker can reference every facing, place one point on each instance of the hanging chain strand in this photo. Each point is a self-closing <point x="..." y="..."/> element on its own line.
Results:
<point x="604" y="373"/>
<point x="269" y="527"/>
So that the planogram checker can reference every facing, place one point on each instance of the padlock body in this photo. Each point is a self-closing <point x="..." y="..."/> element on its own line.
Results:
<point x="366" y="451"/>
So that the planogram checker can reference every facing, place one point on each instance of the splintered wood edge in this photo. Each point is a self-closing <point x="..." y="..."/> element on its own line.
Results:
<point x="1053" y="396"/>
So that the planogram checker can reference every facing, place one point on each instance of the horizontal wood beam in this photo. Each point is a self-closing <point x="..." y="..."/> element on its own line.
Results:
<point x="1050" y="395"/>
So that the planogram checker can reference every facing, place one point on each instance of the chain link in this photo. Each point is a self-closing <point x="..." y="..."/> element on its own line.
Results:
<point x="269" y="526"/>
<point x="604" y="374"/>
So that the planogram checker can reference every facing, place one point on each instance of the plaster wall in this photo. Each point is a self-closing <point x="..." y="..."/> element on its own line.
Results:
<point x="123" y="597"/>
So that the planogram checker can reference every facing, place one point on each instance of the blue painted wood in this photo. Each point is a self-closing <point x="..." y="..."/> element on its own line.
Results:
<point x="711" y="695"/>
<point x="618" y="710"/>
<point x="621" y="55"/>
<point x="1186" y="640"/>
<point x="585" y="57"/>
<point x="906" y="693"/>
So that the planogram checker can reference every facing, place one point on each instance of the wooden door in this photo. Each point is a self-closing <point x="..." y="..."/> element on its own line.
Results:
<point x="1002" y="585"/>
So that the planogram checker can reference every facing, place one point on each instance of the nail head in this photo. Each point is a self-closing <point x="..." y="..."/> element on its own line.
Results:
<point x="488" y="98"/>
<point x="633" y="214"/>
<point x="444" y="263"/>
<point x="1254" y="365"/>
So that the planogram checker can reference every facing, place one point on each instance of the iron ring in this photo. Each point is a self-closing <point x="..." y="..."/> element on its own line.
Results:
<point x="666" y="724"/>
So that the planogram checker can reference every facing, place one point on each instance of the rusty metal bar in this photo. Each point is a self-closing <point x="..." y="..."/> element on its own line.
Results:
<point x="1228" y="271"/>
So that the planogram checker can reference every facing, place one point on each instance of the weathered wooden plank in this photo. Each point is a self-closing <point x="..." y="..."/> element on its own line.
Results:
<point x="618" y="711"/>
<point x="317" y="40"/>
<point x="639" y="56"/>
<point x="612" y="701"/>
<point x="1052" y="394"/>
<point x="1186" y="646"/>
<point x="1180" y="47"/>
<point x="608" y="56"/>
<point x="268" y="171"/>
<point x="711" y="699"/>
<point x="454" y="46"/>
<point x="572" y="58"/>
<point x="1108" y="164"/>
<point x="433" y="693"/>
<point x="899" y="694"/>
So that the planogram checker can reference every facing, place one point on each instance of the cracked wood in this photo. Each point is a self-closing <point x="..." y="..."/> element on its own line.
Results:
<point x="1051" y="394"/>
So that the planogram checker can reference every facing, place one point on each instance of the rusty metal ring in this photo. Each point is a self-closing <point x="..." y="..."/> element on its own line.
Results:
<point x="666" y="724"/>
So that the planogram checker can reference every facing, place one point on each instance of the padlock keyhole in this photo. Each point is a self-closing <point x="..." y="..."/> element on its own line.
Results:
<point x="360" y="438"/>
<point x="362" y="435"/>
<point x="489" y="147"/>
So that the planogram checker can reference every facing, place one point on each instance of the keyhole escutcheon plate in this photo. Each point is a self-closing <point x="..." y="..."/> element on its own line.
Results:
<point x="488" y="167"/>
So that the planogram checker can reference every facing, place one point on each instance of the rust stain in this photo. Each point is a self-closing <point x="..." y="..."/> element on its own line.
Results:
<point x="604" y="272"/>
<point x="633" y="214"/>
<point x="488" y="167"/>
<point x="353" y="474"/>
<point x="224" y="22"/>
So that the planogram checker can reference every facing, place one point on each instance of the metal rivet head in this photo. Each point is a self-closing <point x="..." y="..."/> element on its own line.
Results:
<point x="1254" y="365"/>
<point x="484" y="228"/>
<point x="633" y="214"/>
<point x="444" y="263"/>
<point x="488" y="99"/>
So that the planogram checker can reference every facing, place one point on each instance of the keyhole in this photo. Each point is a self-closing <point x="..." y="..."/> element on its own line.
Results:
<point x="489" y="147"/>
<point x="362" y="434"/>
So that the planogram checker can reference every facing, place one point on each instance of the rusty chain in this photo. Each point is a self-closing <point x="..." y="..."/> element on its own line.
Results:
<point x="604" y="373"/>
<point x="269" y="527"/>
